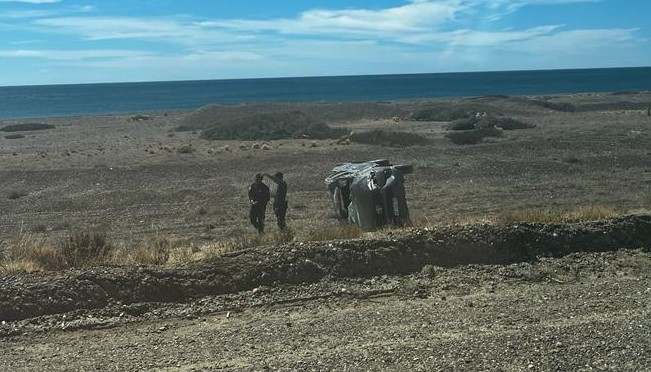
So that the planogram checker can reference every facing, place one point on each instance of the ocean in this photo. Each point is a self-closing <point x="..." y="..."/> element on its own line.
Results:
<point x="19" y="102"/>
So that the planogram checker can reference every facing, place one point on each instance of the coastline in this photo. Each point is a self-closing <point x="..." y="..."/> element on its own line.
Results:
<point x="104" y="98"/>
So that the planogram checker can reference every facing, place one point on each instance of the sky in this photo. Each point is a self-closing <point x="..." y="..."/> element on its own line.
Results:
<point x="91" y="41"/>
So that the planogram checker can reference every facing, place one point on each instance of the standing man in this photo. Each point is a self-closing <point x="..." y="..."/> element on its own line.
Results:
<point x="280" y="198"/>
<point x="259" y="197"/>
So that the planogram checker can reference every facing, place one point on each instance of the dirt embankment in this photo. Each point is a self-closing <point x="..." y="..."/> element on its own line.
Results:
<point x="27" y="296"/>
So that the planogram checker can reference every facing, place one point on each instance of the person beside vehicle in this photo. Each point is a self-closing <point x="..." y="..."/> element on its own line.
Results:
<point x="280" y="198"/>
<point x="259" y="196"/>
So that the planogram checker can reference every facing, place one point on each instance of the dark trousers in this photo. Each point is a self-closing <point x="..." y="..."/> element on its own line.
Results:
<point x="257" y="216"/>
<point x="281" y="211"/>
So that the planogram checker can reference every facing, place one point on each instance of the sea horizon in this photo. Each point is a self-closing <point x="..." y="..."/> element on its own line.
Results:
<point x="318" y="76"/>
<point x="42" y="101"/>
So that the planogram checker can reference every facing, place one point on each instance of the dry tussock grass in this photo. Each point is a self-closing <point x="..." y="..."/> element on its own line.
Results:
<point x="17" y="267"/>
<point x="86" y="247"/>
<point x="155" y="251"/>
<point x="30" y="253"/>
<point x="337" y="232"/>
<point x="171" y="251"/>
<point x="587" y="213"/>
<point x="579" y="214"/>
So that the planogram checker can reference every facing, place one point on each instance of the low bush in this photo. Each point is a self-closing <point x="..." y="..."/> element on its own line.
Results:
<point x="624" y="93"/>
<point x="389" y="138"/>
<point x="579" y="214"/>
<point x="16" y="194"/>
<point x="153" y="252"/>
<point x="462" y="124"/>
<point x="141" y="117"/>
<point x="86" y="247"/>
<point x="26" y="127"/>
<point x="339" y="232"/>
<point x="31" y="253"/>
<point x="510" y="123"/>
<point x="15" y="136"/>
<point x="444" y="113"/>
<point x="474" y="136"/>
<point x="571" y="159"/>
<point x="474" y="129"/>
<point x="185" y="149"/>
<point x="271" y="126"/>
<point x="556" y="106"/>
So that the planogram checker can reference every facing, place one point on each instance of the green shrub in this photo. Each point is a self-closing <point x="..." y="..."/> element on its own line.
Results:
<point x="15" y="136"/>
<point x="462" y="124"/>
<point x="474" y="136"/>
<point x="556" y="106"/>
<point x="444" y="113"/>
<point x="271" y="126"/>
<point x="16" y="194"/>
<point x="185" y="149"/>
<point x="141" y="117"/>
<point x="389" y="138"/>
<point x="26" y="127"/>
<point x="511" y="124"/>
<point x="473" y="130"/>
<point x="502" y="122"/>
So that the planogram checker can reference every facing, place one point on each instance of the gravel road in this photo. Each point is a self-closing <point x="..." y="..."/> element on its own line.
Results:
<point x="580" y="312"/>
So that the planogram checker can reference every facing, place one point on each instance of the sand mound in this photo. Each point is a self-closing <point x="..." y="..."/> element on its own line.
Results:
<point x="276" y="120"/>
<point x="326" y="112"/>
<point x="270" y="126"/>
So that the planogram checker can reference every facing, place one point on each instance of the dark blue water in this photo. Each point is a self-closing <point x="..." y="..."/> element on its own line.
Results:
<point x="89" y="99"/>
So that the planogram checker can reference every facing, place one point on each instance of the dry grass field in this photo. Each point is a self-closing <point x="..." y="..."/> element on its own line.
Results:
<point x="125" y="242"/>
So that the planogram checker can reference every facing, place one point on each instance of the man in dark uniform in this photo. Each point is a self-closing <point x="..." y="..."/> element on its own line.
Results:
<point x="280" y="199"/>
<point x="259" y="197"/>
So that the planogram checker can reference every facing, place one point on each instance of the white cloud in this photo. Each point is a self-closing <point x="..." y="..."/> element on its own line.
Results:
<point x="31" y="1"/>
<point x="419" y="21"/>
<point x="501" y="7"/>
<point x="411" y="17"/>
<point x="192" y="66"/>
<point x="107" y="28"/>
<point x="420" y="36"/>
<point x="579" y="42"/>
<point x="417" y="16"/>
<point x="468" y="37"/>
<point x="70" y="55"/>
<point x="44" y="13"/>
<point x="28" y="13"/>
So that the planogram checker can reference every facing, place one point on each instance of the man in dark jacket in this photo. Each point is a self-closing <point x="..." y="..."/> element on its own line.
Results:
<point x="259" y="197"/>
<point x="280" y="198"/>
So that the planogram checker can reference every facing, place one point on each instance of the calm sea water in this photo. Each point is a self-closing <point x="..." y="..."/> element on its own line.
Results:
<point x="89" y="99"/>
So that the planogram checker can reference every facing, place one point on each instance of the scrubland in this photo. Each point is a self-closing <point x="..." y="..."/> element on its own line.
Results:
<point x="125" y="240"/>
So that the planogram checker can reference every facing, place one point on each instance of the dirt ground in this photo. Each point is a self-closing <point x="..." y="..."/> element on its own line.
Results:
<point x="447" y="294"/>
<point x="129" y="177"/>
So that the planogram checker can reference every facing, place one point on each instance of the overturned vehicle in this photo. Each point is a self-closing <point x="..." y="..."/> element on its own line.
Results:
<point x="370" y="194"/>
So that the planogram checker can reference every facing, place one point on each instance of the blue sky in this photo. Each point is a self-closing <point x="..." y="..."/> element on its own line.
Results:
<point x="86" y="41"/>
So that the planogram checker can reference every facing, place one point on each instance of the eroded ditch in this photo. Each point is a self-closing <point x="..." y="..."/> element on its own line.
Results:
<point x="32" y="295"/>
